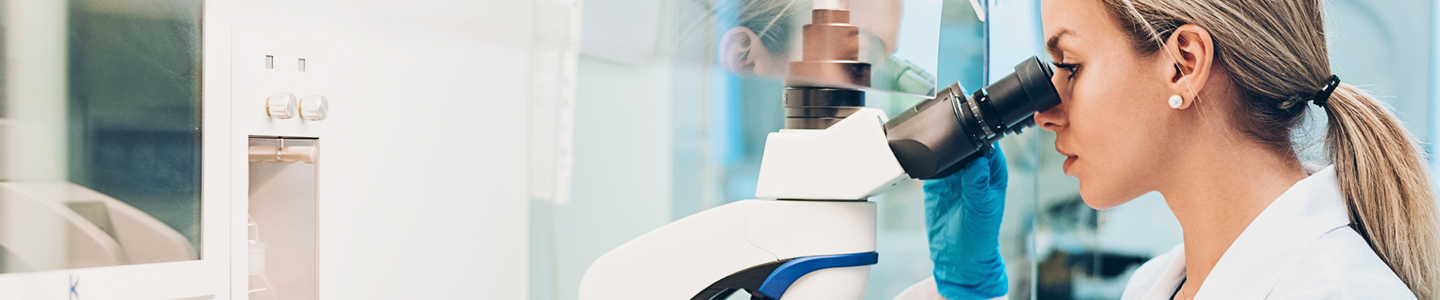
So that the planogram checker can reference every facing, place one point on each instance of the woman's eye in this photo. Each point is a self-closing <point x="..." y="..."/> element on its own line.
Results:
<point x="1069" y="68"/>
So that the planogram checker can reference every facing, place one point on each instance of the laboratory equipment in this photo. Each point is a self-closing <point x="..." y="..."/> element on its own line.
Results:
<point x="816" y="240"/>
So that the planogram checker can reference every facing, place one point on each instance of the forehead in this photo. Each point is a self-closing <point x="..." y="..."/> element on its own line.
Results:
<point x="1079" y="20"/>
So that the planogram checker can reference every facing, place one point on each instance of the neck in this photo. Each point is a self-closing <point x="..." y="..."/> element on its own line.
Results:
<point x="1220" y="189"/>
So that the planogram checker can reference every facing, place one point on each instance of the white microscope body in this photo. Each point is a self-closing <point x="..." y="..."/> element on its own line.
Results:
<point x="817" y="243"/>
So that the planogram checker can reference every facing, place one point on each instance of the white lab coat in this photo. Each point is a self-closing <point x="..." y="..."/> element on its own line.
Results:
<point x="1300" y="247"/>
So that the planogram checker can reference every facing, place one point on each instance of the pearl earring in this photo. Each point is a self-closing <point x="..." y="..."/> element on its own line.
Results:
<point x="1176" y="101"/>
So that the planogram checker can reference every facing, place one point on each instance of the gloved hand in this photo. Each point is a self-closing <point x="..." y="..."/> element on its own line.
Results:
<point x="962" y="216"/>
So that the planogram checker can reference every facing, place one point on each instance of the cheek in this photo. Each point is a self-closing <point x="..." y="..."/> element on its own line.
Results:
<point x="1115" y="126"/>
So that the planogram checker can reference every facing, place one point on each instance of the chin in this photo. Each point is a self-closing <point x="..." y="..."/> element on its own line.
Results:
<point x="1102" y="198"/>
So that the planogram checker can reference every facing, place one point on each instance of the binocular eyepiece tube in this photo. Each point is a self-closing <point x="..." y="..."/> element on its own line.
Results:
<point x="935" y="138"/>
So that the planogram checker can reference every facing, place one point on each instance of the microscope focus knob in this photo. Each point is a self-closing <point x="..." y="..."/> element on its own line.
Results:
<point x="314" y="107"/>
<point x="280" y="106"/>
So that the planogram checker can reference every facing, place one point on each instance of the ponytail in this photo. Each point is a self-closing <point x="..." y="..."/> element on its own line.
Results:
<point x="1387" y="187"/>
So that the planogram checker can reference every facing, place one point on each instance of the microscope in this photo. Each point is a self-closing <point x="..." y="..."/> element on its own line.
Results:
<point x="814" y="235"/>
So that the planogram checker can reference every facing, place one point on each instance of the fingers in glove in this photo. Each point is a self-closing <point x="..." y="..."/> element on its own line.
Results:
<point x="943" y="195"/>
<point x="998" y="174"/>
<point x="975" y="179"/>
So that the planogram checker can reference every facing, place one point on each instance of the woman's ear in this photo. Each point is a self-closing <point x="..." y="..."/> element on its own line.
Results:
<point x="736" y="46"/>
<point x="1193" y="53"/>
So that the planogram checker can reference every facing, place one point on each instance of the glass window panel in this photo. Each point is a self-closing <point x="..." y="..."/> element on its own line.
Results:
<point x="101" y="150"/>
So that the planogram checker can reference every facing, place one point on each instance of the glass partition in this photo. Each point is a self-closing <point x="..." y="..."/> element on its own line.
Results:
<point x="100" y="151"/>
<point x="673" y="101"/>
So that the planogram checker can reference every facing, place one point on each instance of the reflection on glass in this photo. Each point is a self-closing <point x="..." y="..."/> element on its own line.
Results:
<point x="853" y="46"/>
<point x="99" y="156"/>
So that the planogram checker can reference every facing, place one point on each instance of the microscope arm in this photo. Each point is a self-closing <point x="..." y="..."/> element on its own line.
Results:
<point x="850" y="160"/>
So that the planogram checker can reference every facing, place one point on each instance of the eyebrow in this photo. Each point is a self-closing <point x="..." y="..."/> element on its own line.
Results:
<point x="1053" y="43"/>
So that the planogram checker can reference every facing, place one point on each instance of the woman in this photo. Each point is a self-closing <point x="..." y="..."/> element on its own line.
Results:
<point x="1198" y="100"/>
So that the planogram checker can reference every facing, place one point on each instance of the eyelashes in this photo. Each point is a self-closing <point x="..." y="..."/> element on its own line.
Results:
<point x="1069" y="68"/>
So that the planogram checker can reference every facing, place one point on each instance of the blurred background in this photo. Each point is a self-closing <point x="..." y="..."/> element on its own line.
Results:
<point x="660" y="129"/>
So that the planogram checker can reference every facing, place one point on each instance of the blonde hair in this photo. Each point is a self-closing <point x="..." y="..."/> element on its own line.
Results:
<point x="1275" y="51"/>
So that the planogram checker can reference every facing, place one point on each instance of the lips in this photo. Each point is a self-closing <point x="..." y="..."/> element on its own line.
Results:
<point x="1062" y="151"/>
<point x="1069" y="159"/>
<point x="1066" y="167"/>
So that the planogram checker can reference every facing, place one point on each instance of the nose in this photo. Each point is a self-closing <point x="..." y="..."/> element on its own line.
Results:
<point x="1056" y="118"/>
<point x="1053" y="119"/>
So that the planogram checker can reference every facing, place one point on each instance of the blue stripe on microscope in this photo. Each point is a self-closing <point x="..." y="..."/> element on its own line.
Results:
<point x="780" y="280"/>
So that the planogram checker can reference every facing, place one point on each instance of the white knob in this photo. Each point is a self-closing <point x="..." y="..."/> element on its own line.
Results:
<point x="280" y="106"/>
<point x="314" y="107"/>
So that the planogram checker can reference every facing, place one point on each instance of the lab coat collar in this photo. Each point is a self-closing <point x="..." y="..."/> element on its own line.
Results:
<point x="1169" y="278"/>
<point x="1271" y="244"/>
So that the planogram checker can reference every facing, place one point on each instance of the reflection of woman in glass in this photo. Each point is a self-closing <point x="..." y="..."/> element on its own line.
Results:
<point x="1199" y="100"/>
<point x="762" y="37"/>
<point x="765" y="34"/>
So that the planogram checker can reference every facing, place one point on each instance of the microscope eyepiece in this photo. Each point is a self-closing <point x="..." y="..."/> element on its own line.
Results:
<point x="932" y="139"/>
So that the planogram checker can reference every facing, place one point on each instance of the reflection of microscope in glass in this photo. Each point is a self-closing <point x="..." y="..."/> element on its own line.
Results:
<point x="817" y="240"/>
<point x="59" y="225"/>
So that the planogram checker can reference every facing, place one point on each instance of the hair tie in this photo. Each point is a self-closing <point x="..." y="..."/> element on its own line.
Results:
<point x="1323" y="96"/>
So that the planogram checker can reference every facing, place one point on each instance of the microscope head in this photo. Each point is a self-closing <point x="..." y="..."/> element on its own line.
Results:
<point x="823" y="86"/>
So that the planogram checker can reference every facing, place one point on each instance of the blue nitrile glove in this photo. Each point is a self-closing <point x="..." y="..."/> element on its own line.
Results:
<point x="962" y="215"/>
